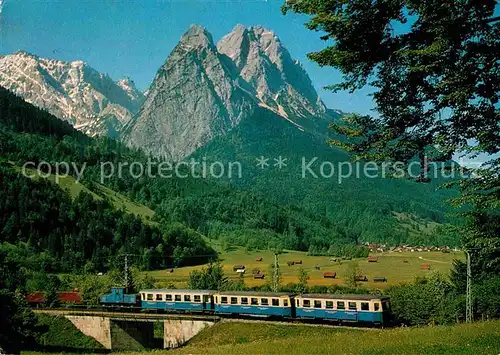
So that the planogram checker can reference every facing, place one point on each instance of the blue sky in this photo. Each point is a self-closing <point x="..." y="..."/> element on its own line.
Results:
<point x="133" y="38"/>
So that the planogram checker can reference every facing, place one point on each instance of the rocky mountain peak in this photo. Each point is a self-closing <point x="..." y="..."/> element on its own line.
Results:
<point x="235" y="45"/>
<point x="128" y="86"/>
<point x="24" y="54"/>
<point x="278" y="81"/>
<point x="203" y="91"/>
<point x="193" y="98"/>
<point x="197" y="37"/>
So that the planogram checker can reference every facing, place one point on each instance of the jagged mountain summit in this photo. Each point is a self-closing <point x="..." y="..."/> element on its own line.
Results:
<point x="91" y="101"/>
<point x="192" y="99"/>
<point x="204" y="90"/>
<point x="278" y="81"/>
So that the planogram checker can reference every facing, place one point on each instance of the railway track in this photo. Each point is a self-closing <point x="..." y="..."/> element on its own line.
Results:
<point x="124" y="315"/>
<point x="143" y="316"/>
<point x="296" y="322"/>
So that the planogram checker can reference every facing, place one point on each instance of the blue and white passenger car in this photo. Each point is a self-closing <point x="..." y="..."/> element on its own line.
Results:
<point x="264" y="304"/>
<point x="177" y="300"/>
<point x="352" y="308"/>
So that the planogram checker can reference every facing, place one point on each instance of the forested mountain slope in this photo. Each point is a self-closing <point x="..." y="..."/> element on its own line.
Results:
<point x="212" y="208"/>
<point x="47" y="229"/>
<point x="363" y="206"/>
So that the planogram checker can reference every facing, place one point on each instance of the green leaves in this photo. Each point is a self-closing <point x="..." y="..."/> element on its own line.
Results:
<point x="436" y="89"/>
<point x="426" y="301"/>
<point x="444" y="61"/>
<point x="210" y="277"/>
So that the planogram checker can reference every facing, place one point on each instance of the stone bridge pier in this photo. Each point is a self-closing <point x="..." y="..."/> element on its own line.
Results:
<point x="177" y="332"/>
<point x="138" y="334"/>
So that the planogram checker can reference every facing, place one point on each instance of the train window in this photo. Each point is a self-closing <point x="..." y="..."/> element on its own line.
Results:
<point x="352" y="306"/>
<point x="206" y="298"/>
<point x="244" y="300"/>
<point x="306" y="303"/>
<point x="329" y="304"/>
<point x="197" y="298"/>
<point x="178" y="298"/>
<point x="143" y="296"/>
<point x="385" y="305"/>
<point x="159" y="297"/>
<point x="264" y="301"/>
<point x="168" y="297"/>
<point x="297" y="301"/>
<point x="223" y="300"/>
<point x="187" y="298"/>
<point x="275" y="302"/>
<point x="340" y="305"/>
<point x="365" y="306"/>
<point x="234" y="300"/>
<point x="254" y="301"/>
<point x="377" y="306"/>
<point x="317" y="304"/>
<point x="150" y="297"/>
<point x="216" y="299"/>
<point x="285" y="302"/>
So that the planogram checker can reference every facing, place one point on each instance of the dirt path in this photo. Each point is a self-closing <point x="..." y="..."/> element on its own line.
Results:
<point x="434" y="261"/>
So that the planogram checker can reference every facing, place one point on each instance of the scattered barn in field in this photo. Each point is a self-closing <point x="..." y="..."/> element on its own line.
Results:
<point x="372" y="259"/>
<point x="329" y="275"/>
<point x="361" y="278"/>
<point x="238" y="267"/>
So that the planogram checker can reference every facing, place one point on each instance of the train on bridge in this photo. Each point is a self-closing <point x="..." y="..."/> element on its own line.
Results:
<point x="366" y="309"/>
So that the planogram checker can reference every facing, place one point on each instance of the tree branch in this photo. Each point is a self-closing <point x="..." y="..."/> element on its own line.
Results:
<point x="493" y="19"/>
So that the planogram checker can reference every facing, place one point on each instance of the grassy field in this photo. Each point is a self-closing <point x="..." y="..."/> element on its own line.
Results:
<point x="119" y="201"/>
<point x="233" y="337"/>
<point x="61" y="336"/>
<point x="122" y="202"/>
<point x="390" y="265"/>
<point x="242" y="338"/>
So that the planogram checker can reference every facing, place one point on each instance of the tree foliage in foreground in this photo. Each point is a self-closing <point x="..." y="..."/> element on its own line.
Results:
<point x="17" y="320"/>
<point x="434" y="66"/>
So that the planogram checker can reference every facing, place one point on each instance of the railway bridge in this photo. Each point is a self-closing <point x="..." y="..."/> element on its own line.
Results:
<point x="135" y="331"/>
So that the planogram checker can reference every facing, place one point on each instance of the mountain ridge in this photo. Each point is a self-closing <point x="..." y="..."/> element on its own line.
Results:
<point x="74" y="91"/>
<point x="204" y="90"/>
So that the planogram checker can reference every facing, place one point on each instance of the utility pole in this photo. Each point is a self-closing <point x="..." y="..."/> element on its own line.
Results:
<point x="126" y="273"/>
<point x="276" y="273"/>
<point x="468" y="299"/>
<point x="126" y="270"/>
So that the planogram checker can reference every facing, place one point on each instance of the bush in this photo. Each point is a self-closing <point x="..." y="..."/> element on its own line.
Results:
<point x="487" y="298"/>
<point x="430" y="300"/>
